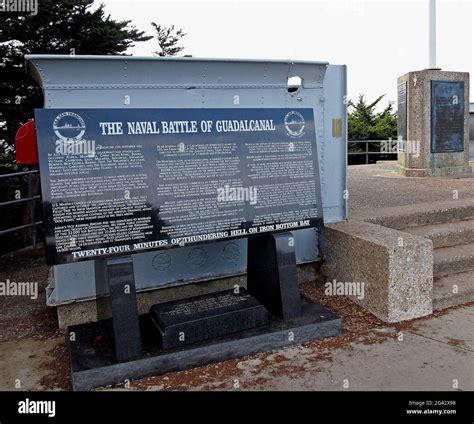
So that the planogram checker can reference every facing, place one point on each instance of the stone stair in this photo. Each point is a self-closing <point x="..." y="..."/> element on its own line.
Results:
<point x="446" y="234"/>
<point x="453" y="259"/>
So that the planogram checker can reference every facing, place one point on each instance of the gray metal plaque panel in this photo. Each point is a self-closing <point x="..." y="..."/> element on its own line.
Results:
<point x="402" y="111"/>
<point x="447" y="116"/>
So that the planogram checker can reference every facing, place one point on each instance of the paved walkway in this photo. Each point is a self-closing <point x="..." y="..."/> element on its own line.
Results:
<point x="377" y="186"/>
<point x="430" y="354"/>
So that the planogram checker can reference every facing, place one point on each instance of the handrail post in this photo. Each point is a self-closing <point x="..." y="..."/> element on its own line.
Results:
<point x="32" y="209"/>
<point x="29" y="201"/>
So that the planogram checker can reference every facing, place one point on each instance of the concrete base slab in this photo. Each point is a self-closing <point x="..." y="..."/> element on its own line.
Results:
<point x="92" y="310"/>
<point x="451" y="171"/>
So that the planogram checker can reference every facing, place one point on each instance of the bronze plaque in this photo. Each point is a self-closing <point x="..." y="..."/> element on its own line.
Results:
<point x="447" y="116"/>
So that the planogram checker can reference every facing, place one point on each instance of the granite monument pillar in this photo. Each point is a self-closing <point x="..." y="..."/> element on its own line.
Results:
<point x="433" y="123"/>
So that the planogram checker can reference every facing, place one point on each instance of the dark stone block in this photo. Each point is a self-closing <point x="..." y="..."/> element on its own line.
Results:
<point x="123" y="300"/>
<point x="271" y="274"/>
<point x="187" y="321"/>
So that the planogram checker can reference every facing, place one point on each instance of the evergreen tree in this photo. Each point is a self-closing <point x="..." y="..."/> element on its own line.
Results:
<point x="60" y="27"/>
<point x="168" y="39"/>
<point x="366" y="124"/>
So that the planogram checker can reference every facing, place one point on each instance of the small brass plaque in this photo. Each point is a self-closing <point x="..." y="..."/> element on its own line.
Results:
<point x="337" y="127"/>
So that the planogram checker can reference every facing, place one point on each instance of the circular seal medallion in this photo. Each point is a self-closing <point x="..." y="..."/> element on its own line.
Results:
<point x="161" y="261"/>
<point x="231" y="252"/>
<point x="197" y="256"/>
<point x="294" y="123"/>
<point x="69" y="126"/>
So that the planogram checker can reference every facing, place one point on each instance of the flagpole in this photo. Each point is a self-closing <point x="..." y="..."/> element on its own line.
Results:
<point x="432" y="41"/>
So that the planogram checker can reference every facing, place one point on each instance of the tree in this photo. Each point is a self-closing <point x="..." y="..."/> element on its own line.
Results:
<point x="366" y="124"/>
<point x="168" y="38"/>
<point x="60" y="27"/>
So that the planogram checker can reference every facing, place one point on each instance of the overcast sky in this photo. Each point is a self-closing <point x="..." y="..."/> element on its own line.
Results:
<point x="378" y="40"/>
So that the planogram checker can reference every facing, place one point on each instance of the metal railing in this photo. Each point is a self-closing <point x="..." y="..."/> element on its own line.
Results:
<point x="30" y="198"/>
<point x="390" y="145"/>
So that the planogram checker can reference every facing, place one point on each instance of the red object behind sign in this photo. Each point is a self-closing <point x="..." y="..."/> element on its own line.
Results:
<point x="26" y="146"/>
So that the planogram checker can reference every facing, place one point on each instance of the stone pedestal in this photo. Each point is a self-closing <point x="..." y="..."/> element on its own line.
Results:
<point x="433" y="123"/>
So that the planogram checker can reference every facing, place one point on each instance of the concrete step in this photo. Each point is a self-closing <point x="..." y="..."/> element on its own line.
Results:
<point x="447" y="234"/>
<point x="400" y="217"/>
<point x="449" y="260"/>
<point x="453" y="289"/>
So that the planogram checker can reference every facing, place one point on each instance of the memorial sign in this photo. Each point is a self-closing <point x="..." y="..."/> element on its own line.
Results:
<point x="120" y="181"/>
<point x="186" y="321"/>
<point x="447" y="116"/>
<point x="402" y="113"/>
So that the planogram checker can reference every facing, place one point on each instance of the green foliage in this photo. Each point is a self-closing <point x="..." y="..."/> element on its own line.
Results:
<point x="168" y="38"/>
<point x="365" y="123"/>
<point x="60" y="27"/>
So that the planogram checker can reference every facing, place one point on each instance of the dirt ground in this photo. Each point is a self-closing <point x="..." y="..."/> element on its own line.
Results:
<point x="32" y="347"/>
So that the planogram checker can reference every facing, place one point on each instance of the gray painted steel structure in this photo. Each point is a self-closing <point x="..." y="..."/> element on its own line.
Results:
<point x="151" y="82"/>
